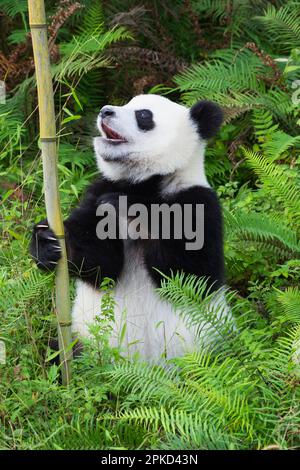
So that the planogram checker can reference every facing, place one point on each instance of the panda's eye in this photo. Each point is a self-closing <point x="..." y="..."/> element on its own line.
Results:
<point x="144" y="114"/>
<point x="144" y="119"/>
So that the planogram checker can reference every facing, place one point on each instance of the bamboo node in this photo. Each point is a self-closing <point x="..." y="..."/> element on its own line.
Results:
<point x="38" y="25"/>
<point x="48" y="139"/>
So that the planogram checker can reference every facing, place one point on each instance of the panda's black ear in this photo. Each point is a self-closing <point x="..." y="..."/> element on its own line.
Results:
<point x="208" y="116"/>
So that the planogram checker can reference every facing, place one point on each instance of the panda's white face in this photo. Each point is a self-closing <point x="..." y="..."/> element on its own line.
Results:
<point x="149" y="135"/>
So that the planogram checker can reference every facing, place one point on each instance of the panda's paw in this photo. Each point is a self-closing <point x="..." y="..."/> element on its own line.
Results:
<point x="45" y="247"/>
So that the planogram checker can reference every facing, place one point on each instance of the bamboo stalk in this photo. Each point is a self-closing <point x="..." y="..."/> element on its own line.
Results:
<point x="38" y="27"/>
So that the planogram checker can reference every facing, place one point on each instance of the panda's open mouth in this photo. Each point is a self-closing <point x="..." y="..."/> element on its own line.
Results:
<point x="112" y="135"/>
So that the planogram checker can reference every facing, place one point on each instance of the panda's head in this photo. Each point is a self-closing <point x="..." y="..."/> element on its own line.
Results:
<point x="153" y="135"/>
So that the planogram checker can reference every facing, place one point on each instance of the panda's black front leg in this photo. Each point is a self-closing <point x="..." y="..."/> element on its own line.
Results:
<point x="89" y="257"/>
<point x="92" y="258"/>
<point x="44" y="246"/>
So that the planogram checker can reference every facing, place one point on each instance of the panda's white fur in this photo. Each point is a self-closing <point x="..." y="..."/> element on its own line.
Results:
<point x="172" y="148"/>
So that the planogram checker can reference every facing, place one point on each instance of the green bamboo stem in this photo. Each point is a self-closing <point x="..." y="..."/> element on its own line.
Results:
<point x="38" y="27"/>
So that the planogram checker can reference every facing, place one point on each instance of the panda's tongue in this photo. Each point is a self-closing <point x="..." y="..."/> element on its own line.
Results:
<point x="110" y="134"/>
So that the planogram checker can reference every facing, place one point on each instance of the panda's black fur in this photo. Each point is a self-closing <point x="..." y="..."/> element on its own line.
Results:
<point x="91" y="259"/>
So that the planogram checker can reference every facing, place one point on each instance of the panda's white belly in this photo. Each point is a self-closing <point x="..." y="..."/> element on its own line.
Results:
<point x="153" y="329"/>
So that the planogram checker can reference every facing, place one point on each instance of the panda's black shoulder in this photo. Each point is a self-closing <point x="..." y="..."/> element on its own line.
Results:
<point x="198" y="194"/>
<point x="146" y="188"/>
<point x="99" y="186"/>
<point x="206" y="196"/>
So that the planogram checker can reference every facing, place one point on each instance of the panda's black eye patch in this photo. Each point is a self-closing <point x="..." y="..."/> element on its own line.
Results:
<point x="144" y="119"/>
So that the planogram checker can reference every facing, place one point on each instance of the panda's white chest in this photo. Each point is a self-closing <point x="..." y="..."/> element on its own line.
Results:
<point x="144" y="324"/>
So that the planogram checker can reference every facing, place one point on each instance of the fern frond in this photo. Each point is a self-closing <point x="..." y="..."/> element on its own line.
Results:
<point x="85" y="52"/>
<point x="263" y="122"/>
<point x="289" y="301"/>
<point x="220" y="77"/>
<point x="187" y="390"/>
<point x="279" y="143"/>
<point x="283" y="25"/>
<point x="13" y="8"/>
<point x="198" y="306"/>
<point x="17" y="36"/>
<point x="233" y="79"/>
<point x="172" y="420"/>
<point x="260" y="228"/>
<point x="206" y="438"/>
<point x="17" y="294"/>
<point x="93" y="18"/>
<point x="240" y="11"/>
<point x="283" y="359"/>
<point x="275" y="179"/>
<point x="150" y="382"/>
<point x="90" y="437"/>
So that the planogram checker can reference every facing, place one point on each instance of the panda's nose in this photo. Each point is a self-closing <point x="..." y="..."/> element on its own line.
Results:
<point x="107" y="111"/>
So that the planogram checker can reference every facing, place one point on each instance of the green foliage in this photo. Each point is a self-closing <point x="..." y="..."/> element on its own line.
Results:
<point x="12" y="8"/>
<point x="282" y="25"/>
<point x="281" y="184"/>
<point x="234" y="79"/>
<point x="264" y="230"/>
<point x="192" y="299"/>
<point x="208" y="394"/>
<point x="289" y="300"/>
<point x="84" y="52"/>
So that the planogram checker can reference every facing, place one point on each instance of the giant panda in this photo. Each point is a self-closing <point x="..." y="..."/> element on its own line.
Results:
<point x="152" y="151"/>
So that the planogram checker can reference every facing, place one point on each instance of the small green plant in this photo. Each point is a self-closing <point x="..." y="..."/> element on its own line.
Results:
<point x="102" y="329"/>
